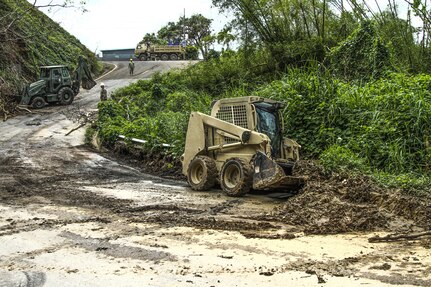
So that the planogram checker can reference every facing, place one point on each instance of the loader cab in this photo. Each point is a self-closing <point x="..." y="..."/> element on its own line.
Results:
<point x="55" y="77"/>
<point x="268" y="121"/>
<point x="254" y="113"/>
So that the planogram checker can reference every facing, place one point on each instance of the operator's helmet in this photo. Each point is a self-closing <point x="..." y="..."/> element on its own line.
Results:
<point x="102" y="84"/>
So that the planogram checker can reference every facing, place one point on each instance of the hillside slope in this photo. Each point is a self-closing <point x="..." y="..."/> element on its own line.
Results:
<point x="29" y="39"/>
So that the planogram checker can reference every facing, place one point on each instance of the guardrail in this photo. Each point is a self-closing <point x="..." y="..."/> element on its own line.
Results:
<point x="139" y="141"/>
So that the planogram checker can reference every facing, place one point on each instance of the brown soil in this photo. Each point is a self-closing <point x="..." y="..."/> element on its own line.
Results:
<point x="330" y="204"/>
<point x="327" y="204"/>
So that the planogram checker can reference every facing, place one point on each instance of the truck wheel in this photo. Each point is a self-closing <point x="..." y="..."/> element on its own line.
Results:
<point x="173" y="57"/>
<point x="236" y="177"/>
<point x="142" y="58"/>
<point x="38" y="102"/>
<point x="65" y="95"/>
<point x="164" y="57"/>
<point x="202" y="173"/>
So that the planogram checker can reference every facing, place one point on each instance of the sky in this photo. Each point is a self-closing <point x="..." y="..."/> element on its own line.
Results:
<point x="114" y="24"/>
<point x="121" y="24"/>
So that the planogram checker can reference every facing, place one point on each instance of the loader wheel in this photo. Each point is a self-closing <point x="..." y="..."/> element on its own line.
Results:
<point x="65" y="95"/>
<point x="236" y="177"/>
<point x="202" y="173"/>
<point x="38" y="102"/>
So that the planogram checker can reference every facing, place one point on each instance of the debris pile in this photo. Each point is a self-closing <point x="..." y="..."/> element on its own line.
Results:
<point x="331" y="204"/>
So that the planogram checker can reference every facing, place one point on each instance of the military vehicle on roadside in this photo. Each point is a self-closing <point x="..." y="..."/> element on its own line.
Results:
<point x="240" y="146"/>
<point x="148" y="52"/>
<point x="57" y="85"/>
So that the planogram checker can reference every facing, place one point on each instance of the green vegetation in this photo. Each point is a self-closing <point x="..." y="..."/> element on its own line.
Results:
<point x="358" y="115"/>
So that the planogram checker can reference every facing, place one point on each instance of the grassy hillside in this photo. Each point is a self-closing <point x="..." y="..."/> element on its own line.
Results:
<point x="29" y="39"/>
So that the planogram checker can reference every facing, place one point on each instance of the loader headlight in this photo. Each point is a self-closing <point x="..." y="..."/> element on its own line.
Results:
<point x="245" y="137"/>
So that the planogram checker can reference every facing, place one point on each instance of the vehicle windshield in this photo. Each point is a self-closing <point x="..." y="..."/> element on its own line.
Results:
<point x="44" y="73"/>
<point x="268" y="122"/>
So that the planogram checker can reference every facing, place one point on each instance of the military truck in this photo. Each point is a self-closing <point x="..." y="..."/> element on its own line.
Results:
<point x="240" y="146"/>
<point x="148" y="52"/>
<point x="57" y="85"/>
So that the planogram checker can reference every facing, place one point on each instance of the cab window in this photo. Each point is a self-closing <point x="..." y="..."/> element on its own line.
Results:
<point x="56" y="73"/>
<point x="44" y="73"/>
<point x="65" y="72"/>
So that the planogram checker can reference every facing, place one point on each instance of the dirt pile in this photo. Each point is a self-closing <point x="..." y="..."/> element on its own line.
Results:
<point x="330" y="204"/>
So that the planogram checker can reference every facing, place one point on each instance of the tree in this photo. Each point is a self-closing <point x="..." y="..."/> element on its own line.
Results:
<point x="225" y="37"/>
<point x="292" y="31"/>
<point x="153" y="39"/>
<point x="362" y="56"/>
<point x="198" y="28"/>
<point x="171" y="33"/>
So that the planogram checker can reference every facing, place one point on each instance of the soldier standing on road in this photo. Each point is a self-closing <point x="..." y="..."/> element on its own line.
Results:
<point x="103" y="92"/>
<point x="131" y="67"/>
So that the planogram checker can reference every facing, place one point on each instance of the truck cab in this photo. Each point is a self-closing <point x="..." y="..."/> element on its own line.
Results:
<point x="55" y="77"/>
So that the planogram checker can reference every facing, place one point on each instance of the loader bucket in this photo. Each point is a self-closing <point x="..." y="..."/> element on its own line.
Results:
<point x="87" y="84"/>
<point x="269" y="175"/>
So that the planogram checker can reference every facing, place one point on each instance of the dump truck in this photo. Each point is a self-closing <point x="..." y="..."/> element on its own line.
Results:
<point x="148" y="52"/>
<point x="241" y="147"/>
<point x="57" y="85"/>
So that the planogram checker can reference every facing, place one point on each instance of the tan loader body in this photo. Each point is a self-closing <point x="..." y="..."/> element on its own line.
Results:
<point x="240" y="146"/>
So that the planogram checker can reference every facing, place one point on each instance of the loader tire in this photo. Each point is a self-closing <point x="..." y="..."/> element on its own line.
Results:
<point x="236" y="177"/>
<point x="65" y="95"/>
<point x="202" y="173"/>
<point x="38" y="102"/>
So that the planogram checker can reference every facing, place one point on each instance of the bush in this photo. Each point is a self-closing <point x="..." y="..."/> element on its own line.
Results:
<point x="339" y="158"/>
<point x="382" y="126"/>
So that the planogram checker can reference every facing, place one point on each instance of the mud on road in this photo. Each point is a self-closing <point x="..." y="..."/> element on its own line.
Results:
<point x="73" y="216"/>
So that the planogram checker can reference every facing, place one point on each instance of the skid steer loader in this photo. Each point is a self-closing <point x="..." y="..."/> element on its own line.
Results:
<point x="241" y="146"/>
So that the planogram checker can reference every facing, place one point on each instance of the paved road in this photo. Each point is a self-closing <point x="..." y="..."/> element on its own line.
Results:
<point x="69" y="216"/>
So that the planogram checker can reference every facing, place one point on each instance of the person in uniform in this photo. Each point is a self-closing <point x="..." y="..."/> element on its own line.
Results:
<point x="131" y="67"/>
<point x="103" y="92"/>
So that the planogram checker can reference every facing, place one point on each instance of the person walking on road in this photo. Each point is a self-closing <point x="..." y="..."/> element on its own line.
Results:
<point x="103" y="92"/>
<point x="131" y="67"/>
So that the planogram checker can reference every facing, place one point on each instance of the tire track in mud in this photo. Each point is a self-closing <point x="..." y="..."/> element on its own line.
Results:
<point x="115" y="250"/>
<point x="18" y="226"/>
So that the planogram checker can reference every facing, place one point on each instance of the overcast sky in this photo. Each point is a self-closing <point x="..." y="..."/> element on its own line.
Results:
<point x="114" y="24"/>
<point x="120" y="24"/>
